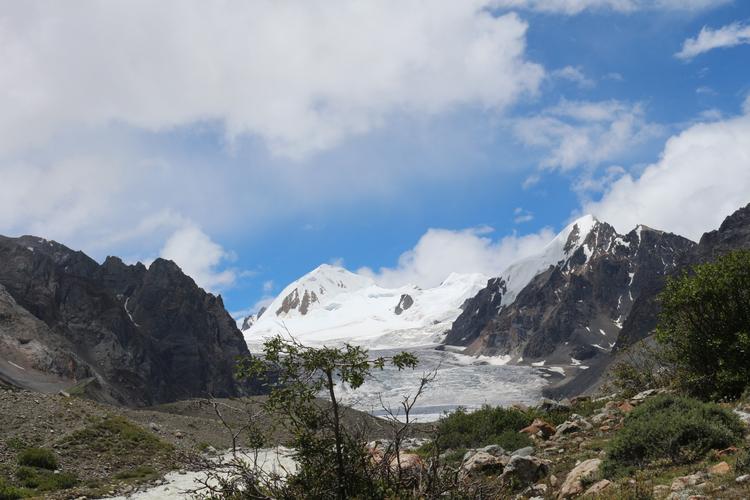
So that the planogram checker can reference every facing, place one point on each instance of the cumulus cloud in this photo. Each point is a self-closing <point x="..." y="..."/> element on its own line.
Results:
<point x="200" y="258"/>
<point x="573" y="74"/>
<point x="441" y="251"/>
<point x="572" y="7"/>
<point x="709" y="39"/>
<point x="303" y="76"/>
<point x="703" y="175"/>
<point x="584" y="133"/>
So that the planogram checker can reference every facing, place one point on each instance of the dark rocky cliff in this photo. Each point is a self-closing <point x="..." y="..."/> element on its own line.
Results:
<point x="139" y="335"/>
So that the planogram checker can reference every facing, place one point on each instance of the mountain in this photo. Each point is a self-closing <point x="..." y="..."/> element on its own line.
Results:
<point x="734" y="233"/>
<point x="331" y="304"/>
<point x="593" y="292"/>
<point x="127" y="334"/>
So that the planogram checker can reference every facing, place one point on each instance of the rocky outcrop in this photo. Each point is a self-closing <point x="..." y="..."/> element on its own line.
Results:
<point x="575" y="308"/>
<point x="140" y="335"/>
<point x="404" y="303"/>
<point x="597" y="298"/>
<point x="733" y="234"/>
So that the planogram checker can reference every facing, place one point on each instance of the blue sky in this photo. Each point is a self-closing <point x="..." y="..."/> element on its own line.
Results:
<point x="254" y="141"/>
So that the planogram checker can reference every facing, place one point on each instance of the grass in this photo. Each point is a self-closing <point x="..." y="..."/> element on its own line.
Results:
<point x="38" y="457"/>
<point x="45" y="480"/>
<point x="140" y="473"/>
<point x="116" y="435"/>
<point x="9" y="492"/>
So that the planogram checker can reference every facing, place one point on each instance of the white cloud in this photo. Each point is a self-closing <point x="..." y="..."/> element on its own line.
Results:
<point x="703" y="175"/>
<point x="571" y="7"/>
<point x="520" y="215"/>
<point x="200" y="258"/>
<point x="303" y="76"/>
<point x="583" y="133"/>
<point x="268" y="286"/>
<point x="709" y="39"/>
<point x="441" y="251"/>
<point x="574" y="74"/>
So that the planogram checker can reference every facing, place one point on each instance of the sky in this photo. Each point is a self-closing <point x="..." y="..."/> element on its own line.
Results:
<point x="250" y="141"/>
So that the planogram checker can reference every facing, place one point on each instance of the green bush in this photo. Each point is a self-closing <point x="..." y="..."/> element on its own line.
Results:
<point x="8" y="492"/>
<point x="462" y="429"/>
<point x="705" y="327"/>
<point x="38" y="457"/>
<point x="742" y="464"/>
<point x="45" y="480"/>
<point x="671" y="430"/>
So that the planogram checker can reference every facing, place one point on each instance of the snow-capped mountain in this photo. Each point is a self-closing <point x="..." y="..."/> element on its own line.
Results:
<point x="332" y="304"/>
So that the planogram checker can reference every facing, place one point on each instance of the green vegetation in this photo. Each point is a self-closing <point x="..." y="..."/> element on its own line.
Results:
<point x="142" y="472"/>
<point x="705" y="327"/>
<point x="9" y="492"/>
<point x="38" y="457"/>
<point x="669" y="430"/>
<point x="488" y="425"/>
<point x="332" y="459"/>
<point x="45" y="480"/>
<point x="117" y="435"/>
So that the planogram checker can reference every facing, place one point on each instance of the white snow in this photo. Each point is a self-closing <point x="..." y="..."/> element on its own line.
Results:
<point x="353" y="308"/>
<point x="519" y="274"/>
<point x="602" y="332"/>
<point x="539" y="363"/>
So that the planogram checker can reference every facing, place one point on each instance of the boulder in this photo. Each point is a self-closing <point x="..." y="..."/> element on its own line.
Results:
<point x="684" y="482"/>
<point x="539" y="428"/>
<point x="525" y="470"/>
<point x="494" y="449"/>
<point x="598" y="487"/>
<point x="575" y="480"/>
<point x="719" y="469"/>
<point x="482" y="462"/>
<point x="523" y="452"/>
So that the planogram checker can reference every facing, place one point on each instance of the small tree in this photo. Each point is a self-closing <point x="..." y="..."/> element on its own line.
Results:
<point x="331" y="460"/>
<point x="705" y="327"/>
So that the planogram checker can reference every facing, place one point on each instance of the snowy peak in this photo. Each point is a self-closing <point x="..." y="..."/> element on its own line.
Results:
<point x="331" y="304"/>
<point x="319" y="285"/>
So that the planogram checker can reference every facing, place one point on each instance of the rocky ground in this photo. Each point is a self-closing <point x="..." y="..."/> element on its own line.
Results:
<point x="114" y="450"/>
<point x="566" y="460"/>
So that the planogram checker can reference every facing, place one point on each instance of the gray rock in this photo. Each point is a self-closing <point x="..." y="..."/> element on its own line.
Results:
<point x="523" y="452"/>
<point x="525" y="470"/>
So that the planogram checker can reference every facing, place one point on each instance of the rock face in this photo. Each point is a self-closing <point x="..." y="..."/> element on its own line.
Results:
<point x="733" y="234"/>
<point x="592" y="293"/>
<point x="404" y="303"/>
<point x="574" y="308"/>
<point x="136" y="335"/>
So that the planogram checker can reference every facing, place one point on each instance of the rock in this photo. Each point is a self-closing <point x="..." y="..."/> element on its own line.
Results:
<point x="523" y="470"/>
<point x="719" y="469"/>
<point x="626" y="407"/>
<point x="581" y="473"/>
<point x="661" y="491"/>
<point x="179" y="434"/>
<point x="550" y="406"/>
<point x="153" y="426"/>
<point x="63" y="394"/>
<point x="727" y="451"/>
<point x="641" y="396"/>
<point x="684" y="482"/>
<point x="598" y="487"/>
<point x="523" y="452"/>
<point x="568" y="427"/>
<point x="482" y="462"/>
<point x="745" y="478"/>
<point x="494" y="450"/>
<point x="539" y="428"/>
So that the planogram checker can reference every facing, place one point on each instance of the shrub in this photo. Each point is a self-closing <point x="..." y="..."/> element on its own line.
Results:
<point x="8" y="492"/>
<point x="38" y="457"/>
<point x="115" y="434"/>
<point x="45" y="480"/>
<point x="671" y="429"/>
<point x="742" y="464"/>
<point x="485" y="426"/>
<point x="705" y="327"/>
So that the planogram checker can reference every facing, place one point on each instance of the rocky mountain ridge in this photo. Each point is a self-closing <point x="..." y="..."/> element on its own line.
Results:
<point x="126" y="334"/>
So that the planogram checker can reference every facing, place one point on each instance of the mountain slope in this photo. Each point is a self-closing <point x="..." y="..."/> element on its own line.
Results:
<point x="573" y="309"/>
<point x="137" y="335"/>
<point x="331" y="304"/>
